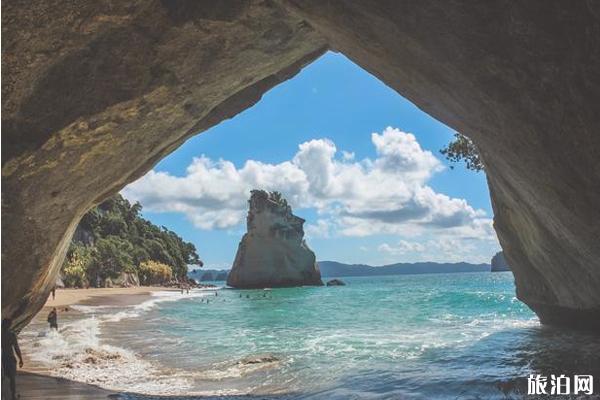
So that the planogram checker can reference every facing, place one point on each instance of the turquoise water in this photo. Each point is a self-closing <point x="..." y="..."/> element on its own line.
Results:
<point x="419" y="336"/>
<point x="442" y="336"/>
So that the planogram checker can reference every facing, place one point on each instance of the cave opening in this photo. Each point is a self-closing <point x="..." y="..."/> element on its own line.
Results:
<point x="361" y="165"/>
<point x="333" y="140"/>
<point x="97" y="93"/>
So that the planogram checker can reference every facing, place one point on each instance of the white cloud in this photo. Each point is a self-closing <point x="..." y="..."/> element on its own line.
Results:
<point x="321" y="229"/>
<point x="388" y="194"/>
<point x="347" y="155"/>
<point x="400" y="152"/>
<point x="443" y="248"/>
<point x="402" y="247"/>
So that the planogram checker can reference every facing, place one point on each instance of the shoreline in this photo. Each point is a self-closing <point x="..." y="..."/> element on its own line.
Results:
<point x="149" y="351"/>
<point x="37" y="382"/>
<point x="104" y="296"/>
<point x="39" y="386"/>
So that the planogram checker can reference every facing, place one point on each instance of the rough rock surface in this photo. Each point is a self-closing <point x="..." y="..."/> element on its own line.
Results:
<point x="499" y="263"/>
<point x="522" y="79"/>
<point x="221" y="276"/>
<point x="336" y="282"/>
<point x="259" y="359"/>
<point x="94" y="93"/>
<point x="127" y="279"/>
<point x="273" y="252"/>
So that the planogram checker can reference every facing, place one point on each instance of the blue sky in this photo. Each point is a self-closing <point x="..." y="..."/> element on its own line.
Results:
<point x="332" y="106"/>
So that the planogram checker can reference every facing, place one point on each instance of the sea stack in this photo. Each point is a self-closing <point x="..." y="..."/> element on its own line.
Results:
<point x="499" y="263"/>
<point x="273" y="252"/>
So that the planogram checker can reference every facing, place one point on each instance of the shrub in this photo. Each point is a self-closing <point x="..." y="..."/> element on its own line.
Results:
<point x="74" y="270"/>
<point x="153" y="272"/>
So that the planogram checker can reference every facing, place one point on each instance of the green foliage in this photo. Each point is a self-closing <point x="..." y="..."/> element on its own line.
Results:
<point x="463" y="149"/>
<point x="112" y="256"/>
<point x="153" y="272"/>
<point x="122" y="241"/>
<point x="74" y="270"/>
<point x="278" y="198"/>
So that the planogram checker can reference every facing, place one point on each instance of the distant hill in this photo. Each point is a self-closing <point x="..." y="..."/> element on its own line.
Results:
<point x="207" y="275"/>
<point x="336" y="269"/>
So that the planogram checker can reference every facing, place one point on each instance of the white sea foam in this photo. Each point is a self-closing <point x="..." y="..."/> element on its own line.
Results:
<point x="139" y="309"/>
<point x="211" y="342"/>
<point x="76" y="351"/>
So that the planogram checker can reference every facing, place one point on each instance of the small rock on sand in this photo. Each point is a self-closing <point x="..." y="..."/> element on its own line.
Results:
<point x="259" y="359"/>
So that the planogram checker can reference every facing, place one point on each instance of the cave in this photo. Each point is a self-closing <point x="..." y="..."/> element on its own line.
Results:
<point x="95" y="93"/>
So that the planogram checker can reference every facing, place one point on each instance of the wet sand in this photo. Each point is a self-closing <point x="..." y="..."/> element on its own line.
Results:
<point x="34" y="383"/>
<point x="103" y="296"/>
<point x="32" y="386"/>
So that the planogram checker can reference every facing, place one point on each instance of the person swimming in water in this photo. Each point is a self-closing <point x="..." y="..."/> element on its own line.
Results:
<point x="10" y="346"/>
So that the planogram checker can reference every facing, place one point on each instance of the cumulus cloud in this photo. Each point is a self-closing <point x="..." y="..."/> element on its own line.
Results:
<point x="348" y="155"/>
<point x="402" y="247"/>
<point x="321" y="229"/>
<point x="443" y="248"/>
<point x="387" y="194"/>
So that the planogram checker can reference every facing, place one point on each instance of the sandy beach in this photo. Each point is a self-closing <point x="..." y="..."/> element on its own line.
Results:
<point x="35" y="383"/>
<point x="103" y="296"/>
<point x="35" y="386"/>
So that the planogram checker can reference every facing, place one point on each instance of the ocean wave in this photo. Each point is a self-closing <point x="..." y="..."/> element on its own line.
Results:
<point x="139" y="309"/>
<point x="76" y="351"/>
<point x="320" y="342"/>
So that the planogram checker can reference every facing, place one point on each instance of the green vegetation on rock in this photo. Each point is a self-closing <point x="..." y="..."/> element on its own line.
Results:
<point x="463" y="149"/>
<point x="153" y="272"/>
<point x="113" y="239"/>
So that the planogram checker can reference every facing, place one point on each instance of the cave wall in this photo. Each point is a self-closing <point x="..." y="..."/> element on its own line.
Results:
<point x="94" y="93"/>
<point x="522" y="79"/>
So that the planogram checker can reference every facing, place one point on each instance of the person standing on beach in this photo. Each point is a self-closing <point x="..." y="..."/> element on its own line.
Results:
<point x="53" y="319"/>
<point x="53" y="292"/>
<point x="10" y="346"/>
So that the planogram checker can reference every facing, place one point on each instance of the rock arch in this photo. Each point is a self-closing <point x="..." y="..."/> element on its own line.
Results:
<point x="94" y="93"/>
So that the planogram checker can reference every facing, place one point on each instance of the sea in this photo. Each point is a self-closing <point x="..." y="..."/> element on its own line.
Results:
<point x="431" y="336"/>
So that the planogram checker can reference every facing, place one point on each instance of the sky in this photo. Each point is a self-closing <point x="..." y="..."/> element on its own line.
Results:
<point x="356" y="160"/>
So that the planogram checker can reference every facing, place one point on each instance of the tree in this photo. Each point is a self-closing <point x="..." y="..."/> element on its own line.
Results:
<point x="112" y="256"/>
<point x="75" y="269"/>
<point x="123" y="241"/>
<point x="463" y="149"/>
<point x="152" y="273"/>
